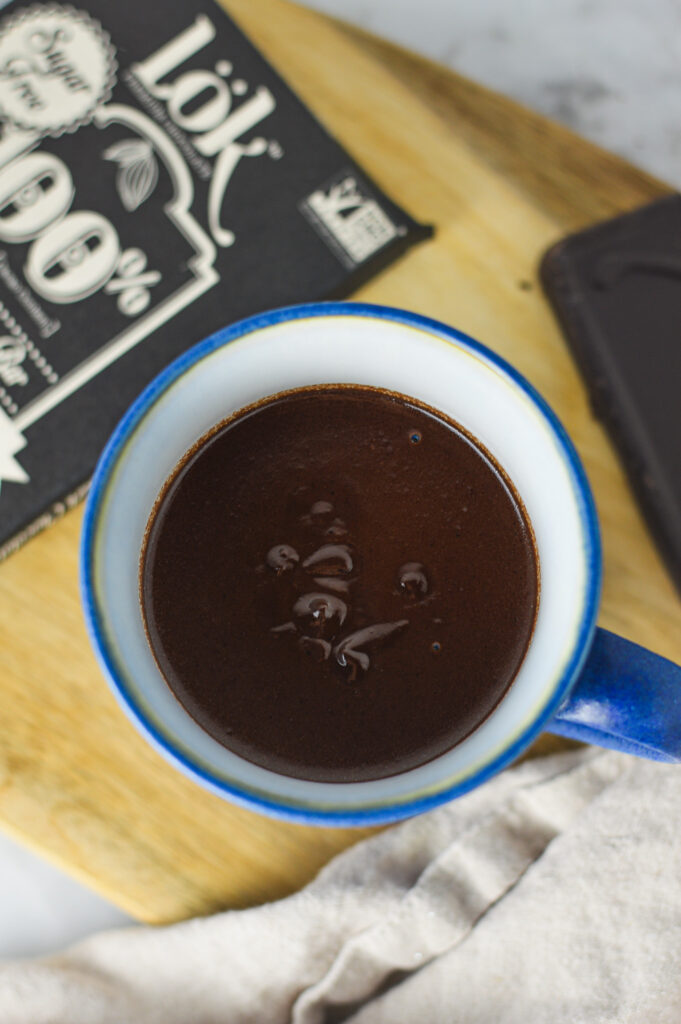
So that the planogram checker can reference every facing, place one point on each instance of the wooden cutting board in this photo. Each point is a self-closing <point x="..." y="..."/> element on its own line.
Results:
<point x="499" y="184"/>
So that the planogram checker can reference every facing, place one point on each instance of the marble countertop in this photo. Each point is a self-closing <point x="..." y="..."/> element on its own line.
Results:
<point x="611" y="70"/>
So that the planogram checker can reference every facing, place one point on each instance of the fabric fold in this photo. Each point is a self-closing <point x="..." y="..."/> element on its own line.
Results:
<point x="549" y="894"/>
<point x="470" y="875"/>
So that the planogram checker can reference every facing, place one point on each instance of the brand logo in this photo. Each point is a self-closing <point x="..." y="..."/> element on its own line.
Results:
<point x="215" y="126"/>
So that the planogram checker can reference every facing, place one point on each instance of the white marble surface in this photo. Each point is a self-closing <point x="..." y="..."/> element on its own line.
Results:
<point x="41" y="908"/>
<point x="611" y="69"/>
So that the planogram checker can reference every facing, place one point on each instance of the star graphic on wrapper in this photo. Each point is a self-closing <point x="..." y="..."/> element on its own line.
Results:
<point x="11" y="442"/>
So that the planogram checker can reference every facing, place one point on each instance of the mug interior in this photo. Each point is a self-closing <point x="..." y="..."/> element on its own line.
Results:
<point x="353" y="344"/>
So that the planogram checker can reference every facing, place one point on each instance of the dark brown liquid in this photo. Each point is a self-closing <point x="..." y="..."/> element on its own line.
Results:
<point x="339" y="584"/>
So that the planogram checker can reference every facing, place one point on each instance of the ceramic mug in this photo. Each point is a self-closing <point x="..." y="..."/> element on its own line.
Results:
<point x="575" y="680"/>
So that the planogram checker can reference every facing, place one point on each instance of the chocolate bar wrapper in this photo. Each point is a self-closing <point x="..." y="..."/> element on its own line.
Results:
<point x="158" y="180"/>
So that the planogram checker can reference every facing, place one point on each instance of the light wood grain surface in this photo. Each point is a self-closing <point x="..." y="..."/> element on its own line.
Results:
<point x="499" y="184"/>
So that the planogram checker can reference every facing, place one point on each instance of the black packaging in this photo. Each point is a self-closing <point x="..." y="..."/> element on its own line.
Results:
<point x="158" y="180"/>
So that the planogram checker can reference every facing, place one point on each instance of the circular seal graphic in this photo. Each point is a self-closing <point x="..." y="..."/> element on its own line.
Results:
<point x="57" y="65"/>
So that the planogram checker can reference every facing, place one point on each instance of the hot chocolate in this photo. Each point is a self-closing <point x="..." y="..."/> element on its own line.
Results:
<point x="338" y="583"/>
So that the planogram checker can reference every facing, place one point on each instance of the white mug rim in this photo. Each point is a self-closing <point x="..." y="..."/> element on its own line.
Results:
<point x="99" y="491"/>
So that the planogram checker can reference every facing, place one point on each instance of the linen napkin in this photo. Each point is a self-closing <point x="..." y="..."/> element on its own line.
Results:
<point x="551" y="894"/>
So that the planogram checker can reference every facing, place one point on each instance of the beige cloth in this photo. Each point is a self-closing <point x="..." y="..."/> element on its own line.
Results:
<point x="551" y="895"/>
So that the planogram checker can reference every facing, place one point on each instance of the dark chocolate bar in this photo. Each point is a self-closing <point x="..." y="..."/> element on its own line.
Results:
<point x="158" y="180"/>
<point x="616" y="289"/>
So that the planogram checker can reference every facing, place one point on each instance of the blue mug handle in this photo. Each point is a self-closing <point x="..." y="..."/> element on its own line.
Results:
<point x="626" y="698"/>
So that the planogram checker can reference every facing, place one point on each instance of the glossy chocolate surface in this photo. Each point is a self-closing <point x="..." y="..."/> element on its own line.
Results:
<point x="339" y="584"/>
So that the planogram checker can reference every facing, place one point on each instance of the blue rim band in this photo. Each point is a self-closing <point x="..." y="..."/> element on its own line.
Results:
<point x="372" y="815"/>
